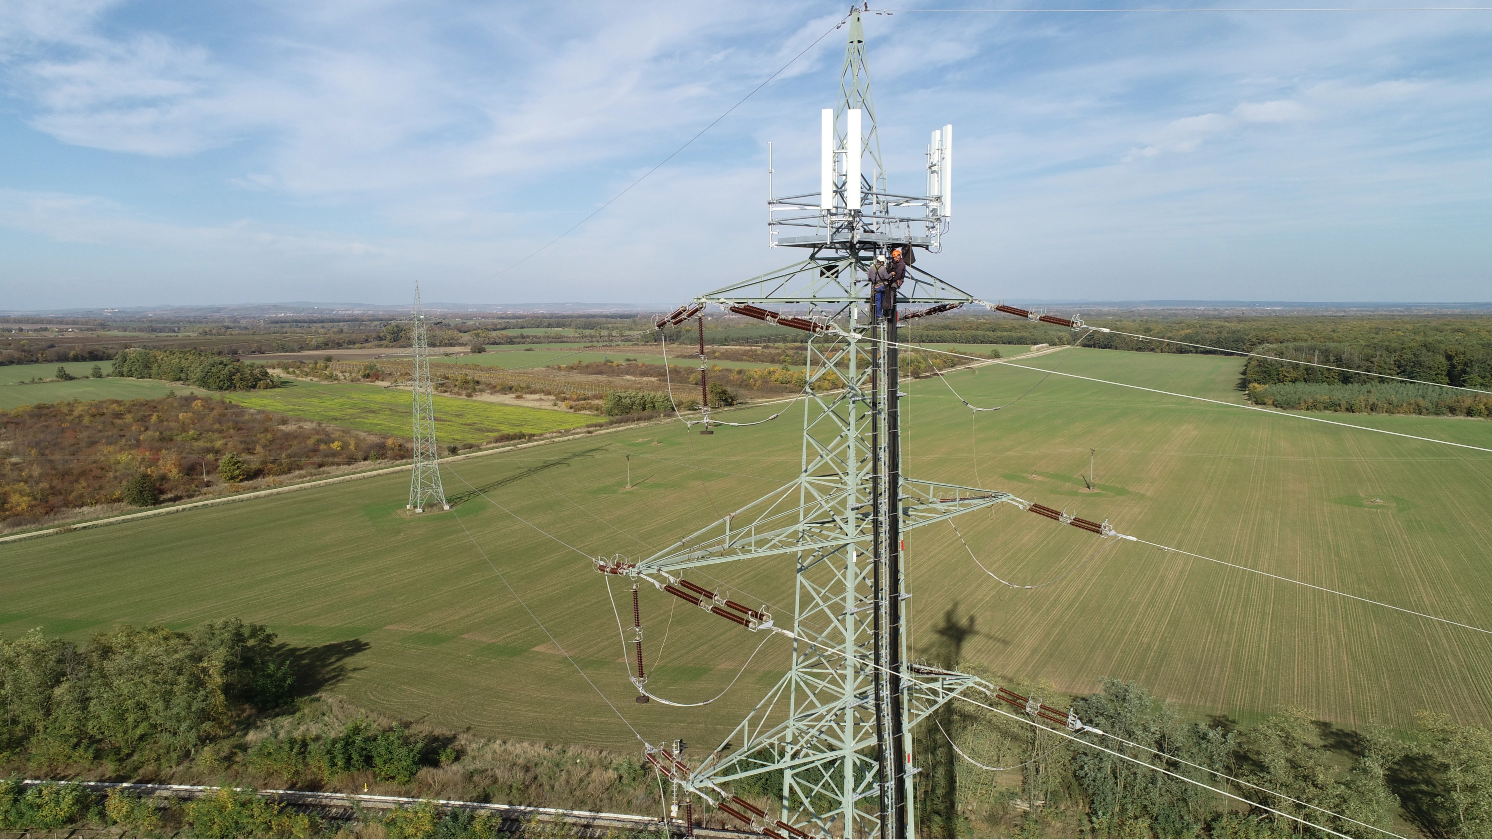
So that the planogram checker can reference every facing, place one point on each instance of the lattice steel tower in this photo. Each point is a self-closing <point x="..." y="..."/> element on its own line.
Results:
<point x="837" y="726"/>
<point x="424" y="485"/>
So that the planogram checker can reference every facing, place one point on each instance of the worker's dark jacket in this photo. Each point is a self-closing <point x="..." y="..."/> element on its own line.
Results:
<point x="891" y="274"/>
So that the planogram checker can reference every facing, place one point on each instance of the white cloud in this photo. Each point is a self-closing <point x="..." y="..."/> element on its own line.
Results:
<point x="449" y="140"/>
<point x="1188" y="133"/>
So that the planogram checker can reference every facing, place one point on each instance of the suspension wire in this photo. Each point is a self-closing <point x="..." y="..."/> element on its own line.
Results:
<point x="1239" y="781"/>
<point x="552" y="639"/>
<point x="965" y="756"/>
<point x="1307" y="585"/>
<point x="723" y="691"/>
<point x="476" y="490"/>
<point x="1206" y="400"/>
<point x="1091" y="745"/>
<point x="689" y="424"/>
<point x="627" y="666"/>
<point x="1066" y="352"/>
<point x="1067" y="574"/>
<point x="672" y="155"/>
<point x="667" y="628"/>
<point x="1194" y="9"/>
<point x="1297" y="362"/>
<point x="585" y="511"/>
<point x="1176" y="775"/>
<point x="706" y="469"/>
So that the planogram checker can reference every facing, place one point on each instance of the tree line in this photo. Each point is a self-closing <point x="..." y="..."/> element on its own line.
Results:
<point x="205" y="370"/>
<point x="133" y="696"/>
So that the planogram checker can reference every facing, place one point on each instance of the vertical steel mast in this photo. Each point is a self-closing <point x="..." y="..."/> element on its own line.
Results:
<point x="837" y="726"/>
<point x="424" y="485"/>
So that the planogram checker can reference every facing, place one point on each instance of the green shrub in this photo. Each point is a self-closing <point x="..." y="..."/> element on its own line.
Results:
<point x="622" y="403"/>
<point x="141" y="491"/>
<point x="136" y="815"/>
<point x="47" y="806"/>
<point x="96" y="373"/>
<point x="133" y="694"/>
<point x="391" y="754"/>
<point x="226" y="812"/>
<point x="64" y="375"/>
<point x="232" y="468"/>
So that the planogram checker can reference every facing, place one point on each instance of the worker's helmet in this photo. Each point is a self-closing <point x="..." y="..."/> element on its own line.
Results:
<point x="896" y="254"/>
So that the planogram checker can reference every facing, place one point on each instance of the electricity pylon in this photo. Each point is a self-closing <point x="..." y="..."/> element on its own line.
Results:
<point x="424" y="485"/>
<point x="837" y="726"/>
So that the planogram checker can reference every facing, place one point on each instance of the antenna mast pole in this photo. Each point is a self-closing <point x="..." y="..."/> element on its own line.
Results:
<point x="424" y="485"/>
<point x="837" y="726"/>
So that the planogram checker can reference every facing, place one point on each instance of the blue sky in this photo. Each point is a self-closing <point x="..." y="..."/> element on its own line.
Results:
<point x="193" y="153"/>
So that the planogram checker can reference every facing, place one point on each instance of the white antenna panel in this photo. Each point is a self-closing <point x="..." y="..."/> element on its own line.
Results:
<point x="946" y="172"/>
<point x="826" y="161"/>
<point x="854" y="146"/>
<point x="935" y="163"/>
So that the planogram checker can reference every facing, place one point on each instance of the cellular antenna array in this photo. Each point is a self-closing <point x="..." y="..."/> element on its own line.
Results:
<point x="837" y="727"/>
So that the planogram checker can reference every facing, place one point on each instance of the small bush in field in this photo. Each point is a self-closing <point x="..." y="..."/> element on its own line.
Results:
<point x="232" y="468"/>
<point x="141" y="491"/>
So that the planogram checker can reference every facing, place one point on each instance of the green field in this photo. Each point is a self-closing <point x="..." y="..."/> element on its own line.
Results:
<point x="11" y="374"/>
<point x="387" y="411"/>
<point x="15" y="396"/>
<point x="680" y="356"/>
<point x="442" y="640"/>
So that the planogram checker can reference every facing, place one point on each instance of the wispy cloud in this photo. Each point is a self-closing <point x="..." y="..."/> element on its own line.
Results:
<point x="369" y="144"/>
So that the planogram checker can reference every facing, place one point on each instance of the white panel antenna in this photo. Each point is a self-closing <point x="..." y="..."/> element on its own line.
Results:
<point x="947" y="173"/>
<point x="854" y="147"/>
<point x="935" y="164"/>
<point x="826" y="161"/>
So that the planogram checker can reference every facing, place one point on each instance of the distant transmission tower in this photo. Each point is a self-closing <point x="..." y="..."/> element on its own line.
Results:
<point x="424" y="485"/>
<point x="836" y="730"/>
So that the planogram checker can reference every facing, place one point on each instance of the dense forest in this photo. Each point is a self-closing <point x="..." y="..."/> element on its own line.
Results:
<point x="1465" y="364"/>
<point x="205" y="370"/>
<point x="80" y="454"/>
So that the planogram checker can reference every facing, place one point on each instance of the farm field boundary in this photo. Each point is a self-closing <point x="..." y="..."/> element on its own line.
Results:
<point x="319" y="482"/>
<point x="290" y="488"/>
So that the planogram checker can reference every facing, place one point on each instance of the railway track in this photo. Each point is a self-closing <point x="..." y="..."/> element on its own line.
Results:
<point x="344" y="806"/>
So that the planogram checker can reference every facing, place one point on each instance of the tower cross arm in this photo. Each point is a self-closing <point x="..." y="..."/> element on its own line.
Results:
<point x="830" y="281"/>
<point x="926" y="502"/>
<point x="824" y="524"/>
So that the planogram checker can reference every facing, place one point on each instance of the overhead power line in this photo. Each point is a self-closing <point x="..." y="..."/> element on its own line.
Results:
<point x="877" y="666"/>
<point x="1190" y="9"/>
<point x="1270" y="412"/>
<point x="1298" y="362"/>
<point x="514" y="593"/>
<point x="1309" y="585"/>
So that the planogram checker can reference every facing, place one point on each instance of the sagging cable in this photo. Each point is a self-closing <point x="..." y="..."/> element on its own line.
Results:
<point x="976" y="409"/>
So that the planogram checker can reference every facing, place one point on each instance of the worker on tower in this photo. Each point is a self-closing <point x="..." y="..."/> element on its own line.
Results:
<point x="885" y="279"/>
